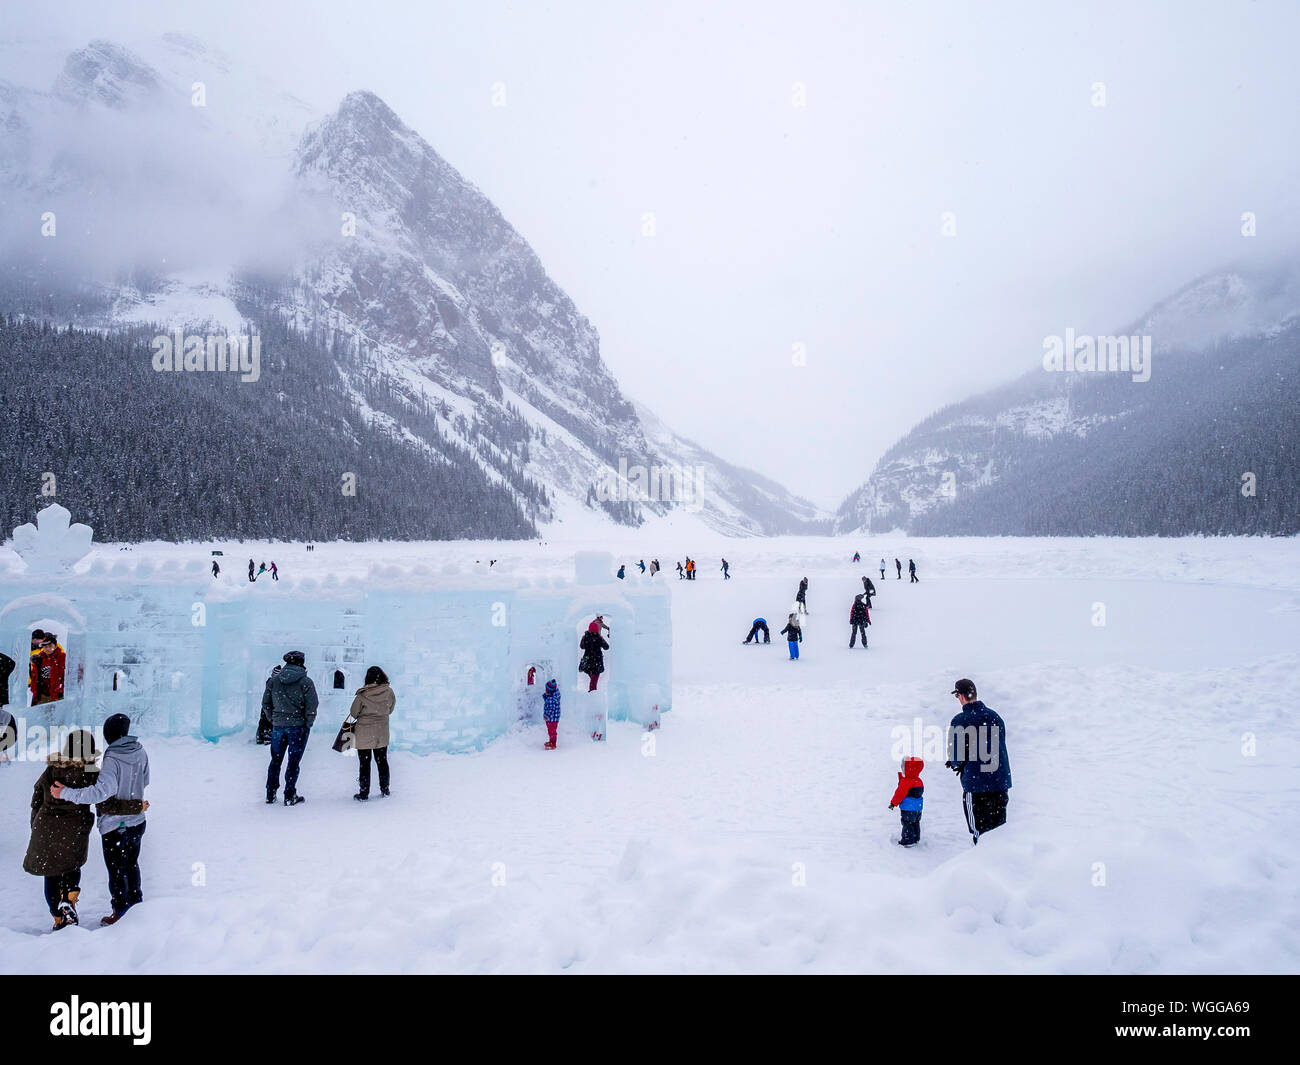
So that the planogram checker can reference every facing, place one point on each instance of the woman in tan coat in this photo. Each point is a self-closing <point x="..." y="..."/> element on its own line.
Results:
<point x="371" y="708"/>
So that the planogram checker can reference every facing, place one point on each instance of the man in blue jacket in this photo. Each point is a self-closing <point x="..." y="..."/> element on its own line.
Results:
<point x="977" y="752"/>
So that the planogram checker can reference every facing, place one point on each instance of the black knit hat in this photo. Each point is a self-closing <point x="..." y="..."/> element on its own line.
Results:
<point x="116" y="727"/>
<point x="295" y="658"/>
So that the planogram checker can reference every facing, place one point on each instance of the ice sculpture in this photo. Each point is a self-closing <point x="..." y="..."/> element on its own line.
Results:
<point x="183" y="655"/>
<point x="52" y="545"/>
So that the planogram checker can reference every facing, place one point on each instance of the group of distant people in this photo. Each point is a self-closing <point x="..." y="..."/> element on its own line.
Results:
<point x="685" y="571"/>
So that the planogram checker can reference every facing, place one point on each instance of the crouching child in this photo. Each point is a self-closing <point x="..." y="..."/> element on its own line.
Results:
<point x="909" y="798"/>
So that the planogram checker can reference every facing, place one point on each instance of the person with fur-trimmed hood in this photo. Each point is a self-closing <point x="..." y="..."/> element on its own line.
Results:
<point x="60" y="839"/>
<point x="551" y="712"/>
<point x="123" y="776"/>
<point x="909" y="798"/>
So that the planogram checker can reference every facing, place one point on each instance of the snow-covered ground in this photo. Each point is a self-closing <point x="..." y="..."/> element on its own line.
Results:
<point x="1153" y="824"/>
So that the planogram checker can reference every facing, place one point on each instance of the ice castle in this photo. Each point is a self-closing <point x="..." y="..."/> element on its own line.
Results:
<point x="184" y="656"/>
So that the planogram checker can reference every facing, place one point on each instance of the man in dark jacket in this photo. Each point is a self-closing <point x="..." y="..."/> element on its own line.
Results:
<point x="859" y="619"/>
<point x="868" y="590"/>
<point x="911" y="570"/>
<point x="290" y="702"/>
<point x="977" y="752"/>
<point x="801" y="596"/>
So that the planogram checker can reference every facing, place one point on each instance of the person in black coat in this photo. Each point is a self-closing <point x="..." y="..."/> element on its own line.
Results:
<point x="911" y="569"/>
<point x="593" y="647"/>
<point x="801" y="596"/>
<point x="760" y="625"/>
<point x="859" y="619"/>
<point x="868" y="590"/>
<point x="899" y="567"/>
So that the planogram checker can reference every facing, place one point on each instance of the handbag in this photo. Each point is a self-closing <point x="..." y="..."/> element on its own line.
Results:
<point x="343" y="741"/>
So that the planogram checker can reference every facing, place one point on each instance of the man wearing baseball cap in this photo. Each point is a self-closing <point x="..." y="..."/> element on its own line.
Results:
<point x="977" y="752"/>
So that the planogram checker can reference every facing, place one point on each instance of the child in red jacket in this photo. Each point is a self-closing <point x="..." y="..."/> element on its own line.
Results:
<point x="909" y="798"/>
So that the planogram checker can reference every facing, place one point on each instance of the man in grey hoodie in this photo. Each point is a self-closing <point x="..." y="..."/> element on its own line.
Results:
<point x="290" y="701"/>
<point x="124" y="774"/>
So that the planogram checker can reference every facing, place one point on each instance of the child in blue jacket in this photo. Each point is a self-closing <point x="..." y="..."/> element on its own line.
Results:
<point x="551" y="712"/>
<point x="909" y="798"/>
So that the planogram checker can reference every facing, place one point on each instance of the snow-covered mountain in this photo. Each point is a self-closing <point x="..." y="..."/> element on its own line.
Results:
<point x="232" y="204"/>
<point x="1072" y="452"/>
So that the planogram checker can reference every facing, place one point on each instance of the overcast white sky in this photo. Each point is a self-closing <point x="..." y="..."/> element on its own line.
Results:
<point x="818" y="225"/>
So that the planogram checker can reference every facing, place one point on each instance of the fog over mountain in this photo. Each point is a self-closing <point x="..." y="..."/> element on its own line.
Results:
<point x="388" y="280"/>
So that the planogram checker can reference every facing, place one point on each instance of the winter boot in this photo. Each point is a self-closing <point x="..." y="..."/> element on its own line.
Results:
<point x="270" y="798"/>
<point x="361" y="796"/>
<point x="293" y="800"/>
<point x="68" y="910"/>
<point x="113" y="917"/>
<point x="549" y="745"/>
<point x="385" y="792"/>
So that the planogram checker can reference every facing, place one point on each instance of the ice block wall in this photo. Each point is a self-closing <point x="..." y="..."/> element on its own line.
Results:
<point x="184" y="656"/>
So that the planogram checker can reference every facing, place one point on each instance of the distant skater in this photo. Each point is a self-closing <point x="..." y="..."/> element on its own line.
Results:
<point x="726" y="574"/>
<point x="760" y="625"/>
<point x="868" y="590"/>
<point x="275" y="573"/>
<point x="801" y="596"/>
<point x="882" y="569"/>
<point x="679" y="571"/>
<point x="794" y="636"/>
<point x="911" y="570"/>
<point x="216" y="570"/>
<point x="251" y="575"/>
<point x="898" y="566"/>
<point x="857" y="557"/>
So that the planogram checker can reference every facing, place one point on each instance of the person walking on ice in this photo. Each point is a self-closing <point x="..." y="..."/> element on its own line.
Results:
<point x="794" y="636"/>
<point x="898" y="566"/>
<point x="801" y="596"/>
<point x="551" y="713"/>
<point x="909" y="798"/>
<point x="726" y="568"/>
<point x="216" y="570"/>
<point x="882" y="569"/>
<point x="859" y="619"/>
<point x="911" y="570"/>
